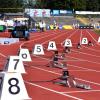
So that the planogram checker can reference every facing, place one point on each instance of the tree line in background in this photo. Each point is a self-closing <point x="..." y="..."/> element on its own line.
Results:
<point x="86" y="5"/>
<point x="16" y="5"/>
<point x="10" y="5"/>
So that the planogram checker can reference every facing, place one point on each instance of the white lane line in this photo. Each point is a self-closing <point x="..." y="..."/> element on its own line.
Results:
<point x="2" y="55"/>
<point x="81" y="37"/>
<point x="54" y="91"/>
<point x="61" y="74"/>
<point x="42" y="37"/>
<point x="69" y="37"/>
<point x="39" y="86"/>
<point x="88" y="69"/>
<point x="85" y="53"/>
<point x="63" y="60"/>
<point x="93" y="38"/>
<point x="80" y="70"/>
<point x="60" y="36"/>
<point x="72" y="65"/>
<point x="35" y="39"/>
<point x="32" y="37"/>
<point x="82" y="91"/>
<point x="84" y="60"/>
<point x="92" y="49"/>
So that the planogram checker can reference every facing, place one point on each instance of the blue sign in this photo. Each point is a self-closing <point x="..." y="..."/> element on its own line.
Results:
<point x="69" y="11"/>
<point x="55" y="12"/>
<point x="63" y="11"/>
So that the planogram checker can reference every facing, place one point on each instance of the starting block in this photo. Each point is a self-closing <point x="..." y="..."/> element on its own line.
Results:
<point x="83" y="86"/>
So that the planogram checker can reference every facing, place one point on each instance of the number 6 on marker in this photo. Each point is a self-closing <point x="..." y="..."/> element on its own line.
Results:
<point x="14" y="64"/>
<point x="24" y="55"/>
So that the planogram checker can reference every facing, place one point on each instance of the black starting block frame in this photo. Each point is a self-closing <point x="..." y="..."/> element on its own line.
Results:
<point x="86" y="27"/>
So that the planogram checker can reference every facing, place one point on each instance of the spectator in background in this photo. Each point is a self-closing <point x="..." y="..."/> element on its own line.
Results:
<point x="42" y="25"/>
<point x="19" y="23"/>
<point x="36" y="25"/>
<point x="54" y="24"/>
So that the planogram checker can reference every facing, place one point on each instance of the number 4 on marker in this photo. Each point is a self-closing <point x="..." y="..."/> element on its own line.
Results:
<point x="14" y="64"/>
<point x="52" y="45"/>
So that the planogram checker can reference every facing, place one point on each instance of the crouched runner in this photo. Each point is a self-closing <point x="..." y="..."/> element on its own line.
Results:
<point x="55" y="63"/>
<point x="69" y="81"/>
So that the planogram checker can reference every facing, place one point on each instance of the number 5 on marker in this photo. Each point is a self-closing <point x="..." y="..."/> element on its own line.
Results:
<point x="38" y="50"/>
<point x="12" y="87"/>
<point x="14" y="64"/>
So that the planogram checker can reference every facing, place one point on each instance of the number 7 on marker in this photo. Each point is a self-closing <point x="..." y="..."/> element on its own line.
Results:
<point x="16" y="63"/>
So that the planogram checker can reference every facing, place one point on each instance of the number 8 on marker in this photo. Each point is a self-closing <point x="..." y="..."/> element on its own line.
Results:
<point x="14" y="88"/>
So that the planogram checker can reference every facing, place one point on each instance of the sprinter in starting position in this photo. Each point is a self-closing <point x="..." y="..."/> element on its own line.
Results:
<point x="69" y="81"/>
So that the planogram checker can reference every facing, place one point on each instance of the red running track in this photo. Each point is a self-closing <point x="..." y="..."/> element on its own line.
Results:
<point x="84" y="64"/>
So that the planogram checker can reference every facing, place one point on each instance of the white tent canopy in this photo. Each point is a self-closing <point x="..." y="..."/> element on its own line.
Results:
<point x="86" y="12"/>
<point x="2" y="22"/>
